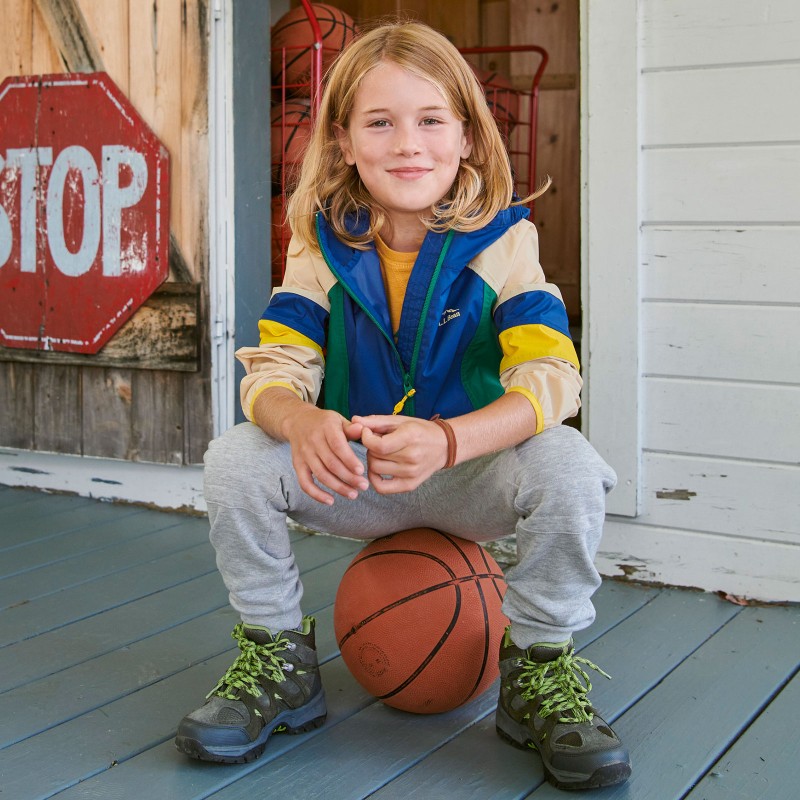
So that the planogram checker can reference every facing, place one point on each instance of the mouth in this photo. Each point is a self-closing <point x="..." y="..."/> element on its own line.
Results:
<point x="409" y="173"/>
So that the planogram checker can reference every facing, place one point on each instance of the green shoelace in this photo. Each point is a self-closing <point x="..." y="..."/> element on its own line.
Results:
<point x="254" y="661"/>
<point x="564" y="685"/>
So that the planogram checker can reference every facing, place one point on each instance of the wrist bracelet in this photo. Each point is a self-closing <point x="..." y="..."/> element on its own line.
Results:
<point x="451" y="440"/>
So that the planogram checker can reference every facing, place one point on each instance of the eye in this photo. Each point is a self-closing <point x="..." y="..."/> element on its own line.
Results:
<point x="431" y="121"/>
<point x="378" y="123"/>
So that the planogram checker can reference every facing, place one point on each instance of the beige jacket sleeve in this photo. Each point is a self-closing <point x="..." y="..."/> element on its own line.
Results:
<point x="539" y="362"/>
<point x="286" y="357"/>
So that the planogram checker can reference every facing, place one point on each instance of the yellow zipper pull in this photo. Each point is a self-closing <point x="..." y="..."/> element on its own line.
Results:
<point x="399" y="407"/>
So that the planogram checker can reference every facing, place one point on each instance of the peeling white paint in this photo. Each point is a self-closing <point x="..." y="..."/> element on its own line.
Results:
<point x="158" y="485"/>
<point x="133" y="255"/>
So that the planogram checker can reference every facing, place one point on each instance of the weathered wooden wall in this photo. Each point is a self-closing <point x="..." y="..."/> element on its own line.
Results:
<point x="108" y="405"/>
<point x="554" y="26"/>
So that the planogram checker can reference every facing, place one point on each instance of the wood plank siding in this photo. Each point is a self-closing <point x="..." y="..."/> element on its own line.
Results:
<point x="115" y="623"/>
<point x="720" y="299"/>
<point x="145" y="397"/>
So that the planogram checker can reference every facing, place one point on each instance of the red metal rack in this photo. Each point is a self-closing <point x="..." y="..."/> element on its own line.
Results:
<point x="519" y="128"/>
<point x="290" y="127"/>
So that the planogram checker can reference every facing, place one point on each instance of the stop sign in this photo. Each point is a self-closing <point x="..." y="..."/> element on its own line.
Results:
<point x="84" y="211"/>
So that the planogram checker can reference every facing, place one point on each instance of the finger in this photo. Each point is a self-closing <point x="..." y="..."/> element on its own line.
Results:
<point x="381" y="423"/>
<point x="307" y="484"/>
<point x="353" y="431"/>
<point x="343" y="483"/>
<point x="384" y="466"/>
<point x="350" y="474"/>
<point x="378" y="419"/>
<point x="340" y="448"/>
<point x="383" y="445"/>
<point x="369" y="438"/>
<point x="385" y="484"/>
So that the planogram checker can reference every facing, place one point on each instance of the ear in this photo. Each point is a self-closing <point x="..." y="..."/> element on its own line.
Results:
<point x="343" y="138"/>
<point x="466" y="142"/>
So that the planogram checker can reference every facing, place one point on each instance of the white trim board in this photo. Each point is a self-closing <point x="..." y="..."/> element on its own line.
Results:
<point x="748" y="568"/>
<point x="610" y="259"/>
<point x="158" y="485"/>
<point x="220" y="216"/>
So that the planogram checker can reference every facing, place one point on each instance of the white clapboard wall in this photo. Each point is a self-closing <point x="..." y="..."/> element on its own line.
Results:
<point x="719" y="312"/>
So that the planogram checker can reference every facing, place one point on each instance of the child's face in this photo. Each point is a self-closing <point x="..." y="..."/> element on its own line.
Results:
<point x="405" y="142"/>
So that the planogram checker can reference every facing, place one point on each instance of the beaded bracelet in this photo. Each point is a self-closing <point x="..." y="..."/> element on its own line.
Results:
<point x="451" y="440"/>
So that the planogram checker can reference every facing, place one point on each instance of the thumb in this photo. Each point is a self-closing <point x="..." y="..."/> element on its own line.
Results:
<point x="369" y="438"/>
<point x="353" y="430"/>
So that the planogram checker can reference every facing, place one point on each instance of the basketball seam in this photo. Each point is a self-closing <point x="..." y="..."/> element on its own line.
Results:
<point x="458" y="548"/>
<point x="409" y="597"/>
<point x="434" y="650"/>
<point x="405" y="553"/>
<point x="486" y="642"/>
<point x="284" y="122"/>
<point x="484" y="555"/>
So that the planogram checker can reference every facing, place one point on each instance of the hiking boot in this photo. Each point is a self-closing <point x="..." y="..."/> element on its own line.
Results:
<point x="273" y="686"/>
<point x="543" y="706"/>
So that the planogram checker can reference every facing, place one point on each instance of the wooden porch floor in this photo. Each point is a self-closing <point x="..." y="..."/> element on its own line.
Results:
<point x="115" y="623"/>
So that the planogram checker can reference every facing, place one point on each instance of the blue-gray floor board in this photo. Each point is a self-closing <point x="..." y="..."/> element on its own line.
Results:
<point x="114" y="623"/>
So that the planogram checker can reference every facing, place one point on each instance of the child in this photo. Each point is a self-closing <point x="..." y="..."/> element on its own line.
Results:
<point x="413" y="287"/>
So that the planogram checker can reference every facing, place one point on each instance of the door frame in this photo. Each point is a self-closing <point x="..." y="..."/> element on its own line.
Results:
<point x="610" y="242"/>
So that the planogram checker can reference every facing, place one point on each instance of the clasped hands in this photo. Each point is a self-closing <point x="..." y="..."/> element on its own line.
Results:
<point x="402" y="453"/>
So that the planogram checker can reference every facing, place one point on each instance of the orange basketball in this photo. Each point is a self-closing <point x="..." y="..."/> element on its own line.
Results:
<point x="293" y="42"/>
<point x="289" y="135"/>
<point x="418" y="620"/>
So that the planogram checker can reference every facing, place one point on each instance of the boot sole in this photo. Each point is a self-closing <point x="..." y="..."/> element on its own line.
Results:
<point x="606" y="775"/>
<point x="301" y="720"/>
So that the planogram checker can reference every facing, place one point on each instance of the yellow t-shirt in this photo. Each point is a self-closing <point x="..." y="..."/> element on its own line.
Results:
<point x="396" y="270"/>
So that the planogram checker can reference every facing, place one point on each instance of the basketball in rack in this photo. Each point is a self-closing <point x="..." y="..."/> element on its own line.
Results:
<point x="308" y="39"/>
<point x="305" y="41"/>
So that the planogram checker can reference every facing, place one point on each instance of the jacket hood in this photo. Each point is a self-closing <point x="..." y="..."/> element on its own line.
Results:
<point x="467" y="245"/>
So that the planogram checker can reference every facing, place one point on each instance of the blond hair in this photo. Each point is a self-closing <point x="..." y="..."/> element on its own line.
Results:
<point x="483" y="185"/>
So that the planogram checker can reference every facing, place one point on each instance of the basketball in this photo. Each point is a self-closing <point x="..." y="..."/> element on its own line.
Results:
<point x="290" y="132"/>
<point x="418" y="620"/>
<point x="293" y="42"/>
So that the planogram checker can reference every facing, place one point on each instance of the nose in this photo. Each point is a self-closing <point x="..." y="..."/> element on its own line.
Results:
<point x="407" y="140"/>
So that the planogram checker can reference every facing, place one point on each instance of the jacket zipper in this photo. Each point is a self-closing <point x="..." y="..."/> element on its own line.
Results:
<point x="408" y="375"/>
<point x="427" y="304"/>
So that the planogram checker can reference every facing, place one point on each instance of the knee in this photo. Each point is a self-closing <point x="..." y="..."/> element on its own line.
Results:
<point x="560" y="463"/>
<point x="225" y="453"/>
<point x="583" y="461"/>
<point x="237" y="460"/>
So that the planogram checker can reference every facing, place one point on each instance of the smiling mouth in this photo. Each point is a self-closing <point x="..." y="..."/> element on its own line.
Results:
<point x="409" y="172"/>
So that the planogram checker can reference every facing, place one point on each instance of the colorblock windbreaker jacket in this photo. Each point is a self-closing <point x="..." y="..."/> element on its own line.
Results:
<point x="478" y="320"/>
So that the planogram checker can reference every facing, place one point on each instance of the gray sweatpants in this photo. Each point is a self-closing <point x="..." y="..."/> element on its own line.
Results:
<point x="550" y="490"/>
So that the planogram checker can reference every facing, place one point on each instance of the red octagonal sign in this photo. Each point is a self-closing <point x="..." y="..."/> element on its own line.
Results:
<point x="84" y="211"/>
